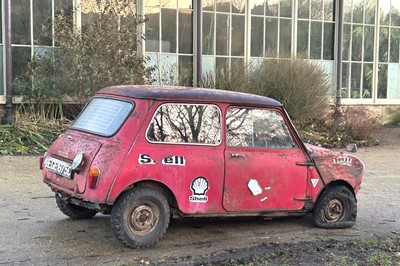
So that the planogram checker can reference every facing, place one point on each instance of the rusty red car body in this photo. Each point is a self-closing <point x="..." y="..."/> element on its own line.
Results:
<point x="145" y="153"/>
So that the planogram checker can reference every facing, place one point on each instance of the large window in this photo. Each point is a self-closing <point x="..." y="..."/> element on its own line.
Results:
<point x="169" y="40"/>
<point x="31" y="29"/>
<point x="358" y="49"/>
<point x="223" y="34"/>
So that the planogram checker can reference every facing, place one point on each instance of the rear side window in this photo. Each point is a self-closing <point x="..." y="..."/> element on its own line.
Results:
<point x="103" y="116"/>
<point x="186" y="124"/>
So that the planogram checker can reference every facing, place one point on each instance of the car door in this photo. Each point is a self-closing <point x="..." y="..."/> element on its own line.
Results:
<point x="262" y="162"/>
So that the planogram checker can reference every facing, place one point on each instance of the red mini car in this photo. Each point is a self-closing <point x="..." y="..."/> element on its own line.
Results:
<point x="145" y="154"/>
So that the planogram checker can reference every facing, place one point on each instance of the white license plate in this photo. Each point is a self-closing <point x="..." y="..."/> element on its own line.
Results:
<point x="57" y="166"/>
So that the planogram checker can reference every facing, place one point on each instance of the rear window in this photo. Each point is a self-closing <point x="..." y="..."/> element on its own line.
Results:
<point x="103" y="116"/>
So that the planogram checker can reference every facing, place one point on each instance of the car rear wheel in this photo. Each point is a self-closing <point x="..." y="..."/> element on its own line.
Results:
<point x="336" y="208"/>
<point x="74" y="211"/>
<point x="140" y="217"/>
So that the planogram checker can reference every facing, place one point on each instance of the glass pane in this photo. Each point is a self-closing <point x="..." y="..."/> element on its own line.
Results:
<point x="329" y="10"/>
<point x="208" y="5"/>
<point x="208" y="33"/>
<point x="345" y="80"/>
<point x="185" y="31"/>
<point x="394" y="45"/>
<point x="285" y="37"/>
<point x="317" y="9"/>
<point x="393" y="88"/>
<point x="208" y="68"/>
<point x="257" y="36"/>
<point x="223" y="5"/>
<point x="238" y="6"/>
<point x="358" y="11"/>
<point x="64" y="7"/>
<point x="223" y="29"/>
<point x="152" y="30"/>
<point x="302" y="39"/>
<point x="168" y="69"/>
<point x="185" y="71"/>
<point x="271" y="8"/>
<point x="346" y="41"/>
<point x="286" y="8"/>
<point x="178" y="123"/>
<point x="42" y="26"/>
<point x="382" y="81"/>
<point x="103" y="116"/>
<point x="370" y="12"/>
<point x="185" y="4"/>
<point x="20" y="58"/>
<point x="169" y="3"/>
<point x="271" y="37"/>
<point x="367" y="81"/>
<point x="304" y="9"/>
<point x="237" y="35"/>
<point x="329" y="41"/>
<point x="221" y="65"/>
<point x="355" y="80"/>
<point x="357" y="43"/>
<point x="257" y="7"/>
<point x="347" y="11"/>
<point x="384" y="12"/>
<point x="395" y="10"/>
<point x="316" y="40"/>
<point x="369" y="43"/>
<point x="168" y="30"/>
<point x="383" y="44"/>
<point x="20" y="22"/>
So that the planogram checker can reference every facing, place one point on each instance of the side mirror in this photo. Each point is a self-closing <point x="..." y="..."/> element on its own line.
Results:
<point x="351" y="148"/>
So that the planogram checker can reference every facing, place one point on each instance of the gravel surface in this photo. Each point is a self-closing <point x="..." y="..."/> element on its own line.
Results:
<point x="34" y="232"/>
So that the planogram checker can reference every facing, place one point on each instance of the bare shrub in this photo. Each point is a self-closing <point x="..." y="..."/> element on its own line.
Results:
<point x="360" y="124"/>
<point x="302" y="86"/>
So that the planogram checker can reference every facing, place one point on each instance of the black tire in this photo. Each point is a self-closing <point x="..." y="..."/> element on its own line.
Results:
<point x="335" y="208"/>
<point x="74" y="211"/>
<point x="140" y="217"/>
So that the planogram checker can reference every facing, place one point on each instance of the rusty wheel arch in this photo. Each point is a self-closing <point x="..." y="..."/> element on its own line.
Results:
<point x="333" y="184"/>
<point x="160" y="187"/>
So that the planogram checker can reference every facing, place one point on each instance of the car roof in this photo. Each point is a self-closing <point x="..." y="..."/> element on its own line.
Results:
<point x="178" y="93"/>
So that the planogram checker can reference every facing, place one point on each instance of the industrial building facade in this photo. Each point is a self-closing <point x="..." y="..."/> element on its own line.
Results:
<point x="198" y="37"/>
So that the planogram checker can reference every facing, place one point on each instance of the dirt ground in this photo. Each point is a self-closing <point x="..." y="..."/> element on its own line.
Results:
<point x="34" y="232"/>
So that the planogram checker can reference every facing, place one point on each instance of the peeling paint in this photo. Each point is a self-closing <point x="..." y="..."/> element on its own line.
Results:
<point x="263" y="198"/>
<point x="254" y="187"/>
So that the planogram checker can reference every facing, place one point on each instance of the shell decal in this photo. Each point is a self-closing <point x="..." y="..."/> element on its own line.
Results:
<point x="199" y="188"/>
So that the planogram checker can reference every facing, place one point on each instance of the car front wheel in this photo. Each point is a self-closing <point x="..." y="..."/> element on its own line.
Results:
<point x="336" y="208"/>
<point x="140" y="217"/>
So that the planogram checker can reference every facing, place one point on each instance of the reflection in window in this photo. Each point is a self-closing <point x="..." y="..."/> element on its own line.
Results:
<point x="257" y="128"/>
<point x="152" y="30"/>
<point x="238" y="35"/>
<point x="257" y="35"/>
<point x="271" y="37"/>
<point x="382" y="81"/>
<point x="316" y="40"/>
<point x="20" y="58"/>
<point x="20" y="22"/>
<point x="181" y="123"/>
<point x="285" y="37"/>
<point x="42" y="27"/>
<point x="302" y="38"/>
<point x="208" y="33"/>
<point x="223" y="30"/>
<point x="168" y="30"/>
<point x="185" y="31"/>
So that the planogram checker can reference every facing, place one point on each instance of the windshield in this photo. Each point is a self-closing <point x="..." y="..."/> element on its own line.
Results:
<point x="103" y="116"/>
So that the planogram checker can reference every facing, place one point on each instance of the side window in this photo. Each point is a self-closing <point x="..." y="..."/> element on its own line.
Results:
<point x="257" y="128"/>
<point x="186" y="123"/>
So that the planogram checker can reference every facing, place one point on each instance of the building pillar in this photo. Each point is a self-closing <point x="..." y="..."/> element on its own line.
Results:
<point x="9" y="108"/>
<point x="339" y="52"/>
<point x="198" y="43"/>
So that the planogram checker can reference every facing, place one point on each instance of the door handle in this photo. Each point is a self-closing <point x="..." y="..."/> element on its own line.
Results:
<point x="237" y="155"/>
